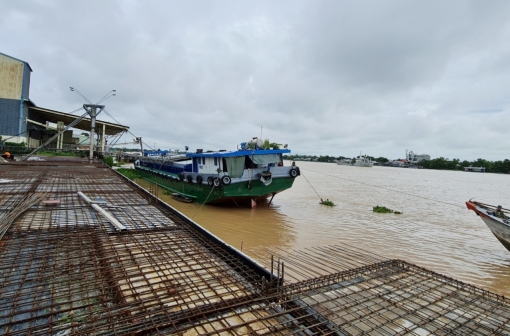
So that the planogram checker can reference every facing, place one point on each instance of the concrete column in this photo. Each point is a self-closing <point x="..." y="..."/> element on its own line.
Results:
<point x="103" y="138"/>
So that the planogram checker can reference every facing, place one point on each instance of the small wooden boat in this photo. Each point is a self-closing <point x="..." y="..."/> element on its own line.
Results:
<point x="496" y="218"/>
<point x="181" y="198"/>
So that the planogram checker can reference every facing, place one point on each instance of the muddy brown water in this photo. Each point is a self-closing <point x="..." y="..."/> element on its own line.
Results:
<point x="435" y="231"/>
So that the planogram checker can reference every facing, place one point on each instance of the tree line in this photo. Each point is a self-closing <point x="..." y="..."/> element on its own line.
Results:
<point x="502" y="166"/>
<point x="327" y="158"/>
<point x="455" y="164"/>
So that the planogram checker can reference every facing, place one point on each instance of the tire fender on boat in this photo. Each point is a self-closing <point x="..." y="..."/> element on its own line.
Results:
<point x="210" y="180"/>
<point x="181" y="176"/>
<point x="293" y="172"/>
<point x="226" y="180"/>
<point x="217" y="182"/>
<point x="189" y="178"/>
<point x="199" y="179"/>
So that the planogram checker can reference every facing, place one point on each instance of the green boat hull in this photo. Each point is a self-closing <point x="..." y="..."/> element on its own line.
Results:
<point x="234" y="193"/>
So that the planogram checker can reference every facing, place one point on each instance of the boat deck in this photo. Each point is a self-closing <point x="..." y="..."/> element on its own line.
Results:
<point x="65" y="269"/>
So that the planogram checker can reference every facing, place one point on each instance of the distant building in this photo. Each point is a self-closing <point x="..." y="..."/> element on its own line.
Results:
<point x="415" y="158"/>
<point x="22" y="121"/>
<point x="420" y="157"/>
<point x="14" y="96"/>
<point x="475" y="169"/>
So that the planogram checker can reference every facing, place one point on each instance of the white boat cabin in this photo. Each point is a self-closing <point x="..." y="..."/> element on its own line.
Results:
<point x="235" y="162"/>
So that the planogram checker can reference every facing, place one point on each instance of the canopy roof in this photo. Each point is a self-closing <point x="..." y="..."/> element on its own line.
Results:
<point x="67" y="118"/>
<point x="242" y="152"/>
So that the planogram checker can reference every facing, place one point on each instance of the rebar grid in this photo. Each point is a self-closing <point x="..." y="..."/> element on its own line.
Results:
<point x="261" y="316"/>
<point x="84" y="280"/>
<point x="8" y="201"/>
<point x="311" y="263"/>
<point x="65" y="270"/>
<point x="134" y="218"/>
<point x="14" y="188"/>
<point x="394" y="297"/>
<point x="87" y="188"/>
<point x="18" y="175"/>
<point x="52" y="281"/>
<point x="17" y="208"/>
<point x="142" y="217"/>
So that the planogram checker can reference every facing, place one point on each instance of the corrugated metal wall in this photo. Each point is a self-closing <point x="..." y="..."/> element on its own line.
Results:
<point x="9" y="116"/>
<point x="26" y="81"/>
<point x="14" y="86"/>
<point x="11" y="78"/>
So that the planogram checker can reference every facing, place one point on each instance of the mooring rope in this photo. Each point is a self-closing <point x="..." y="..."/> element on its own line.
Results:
<point x="310" y="184"/>
<point x="204" y="202"/>
<point x="380" y="187"/>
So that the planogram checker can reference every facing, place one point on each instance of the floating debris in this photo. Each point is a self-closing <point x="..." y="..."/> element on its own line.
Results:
<point x="327" y="202"/>
<point x="382" y="209"/>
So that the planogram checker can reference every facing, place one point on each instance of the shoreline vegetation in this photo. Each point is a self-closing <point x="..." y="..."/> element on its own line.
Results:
<point x="441" y="163"/>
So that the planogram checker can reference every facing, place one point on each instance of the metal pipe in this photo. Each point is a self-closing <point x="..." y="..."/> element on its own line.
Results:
<point x="118" y="225"/>
<point x="85" y="197"/>
<point x="110" y="217"/>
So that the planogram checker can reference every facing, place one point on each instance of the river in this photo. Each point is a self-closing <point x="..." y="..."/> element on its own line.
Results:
<point x="435" y="231"/>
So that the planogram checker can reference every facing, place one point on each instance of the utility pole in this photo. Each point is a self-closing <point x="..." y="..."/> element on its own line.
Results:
<point x="139" y="140"/>
<point x="92" y="110"/>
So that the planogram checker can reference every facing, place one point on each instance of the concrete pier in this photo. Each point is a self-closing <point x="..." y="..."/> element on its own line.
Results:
<point x="138" y="266"/>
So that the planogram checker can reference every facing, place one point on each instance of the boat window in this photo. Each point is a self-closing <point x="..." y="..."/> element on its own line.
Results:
<point x="225" y="169"/>
<point x="215" y="161"/>
<point x="265" y="159"/>
<point x="203" y="160"/>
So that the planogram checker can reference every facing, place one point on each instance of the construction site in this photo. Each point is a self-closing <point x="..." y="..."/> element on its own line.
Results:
<point x="86" y="251"/>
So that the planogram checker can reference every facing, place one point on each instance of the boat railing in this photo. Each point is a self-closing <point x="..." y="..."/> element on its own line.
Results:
<point x="163" y="159"/>
<point x="484" y="205"/>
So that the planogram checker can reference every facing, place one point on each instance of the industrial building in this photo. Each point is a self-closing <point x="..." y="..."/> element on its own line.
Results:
<point x="22" y="121"/>
<point x="413" y="158"/>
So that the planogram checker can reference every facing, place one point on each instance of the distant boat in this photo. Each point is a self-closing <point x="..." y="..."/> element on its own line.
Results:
<point x="500" y="227"/>
<point x="475" y="169"/>
<point x="360" y="161"/>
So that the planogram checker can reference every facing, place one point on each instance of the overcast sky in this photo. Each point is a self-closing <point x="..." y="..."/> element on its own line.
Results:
<point x="325" y="77"/>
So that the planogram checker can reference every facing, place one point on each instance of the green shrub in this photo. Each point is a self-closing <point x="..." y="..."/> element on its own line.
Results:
<point x="108" y="160"/>
<point x="50" y="153"/>
<point x="129" y="173"/>
<point x="15" y="144"/>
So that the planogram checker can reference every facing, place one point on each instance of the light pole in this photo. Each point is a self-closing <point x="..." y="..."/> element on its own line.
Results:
<point x="93" y="112"/>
